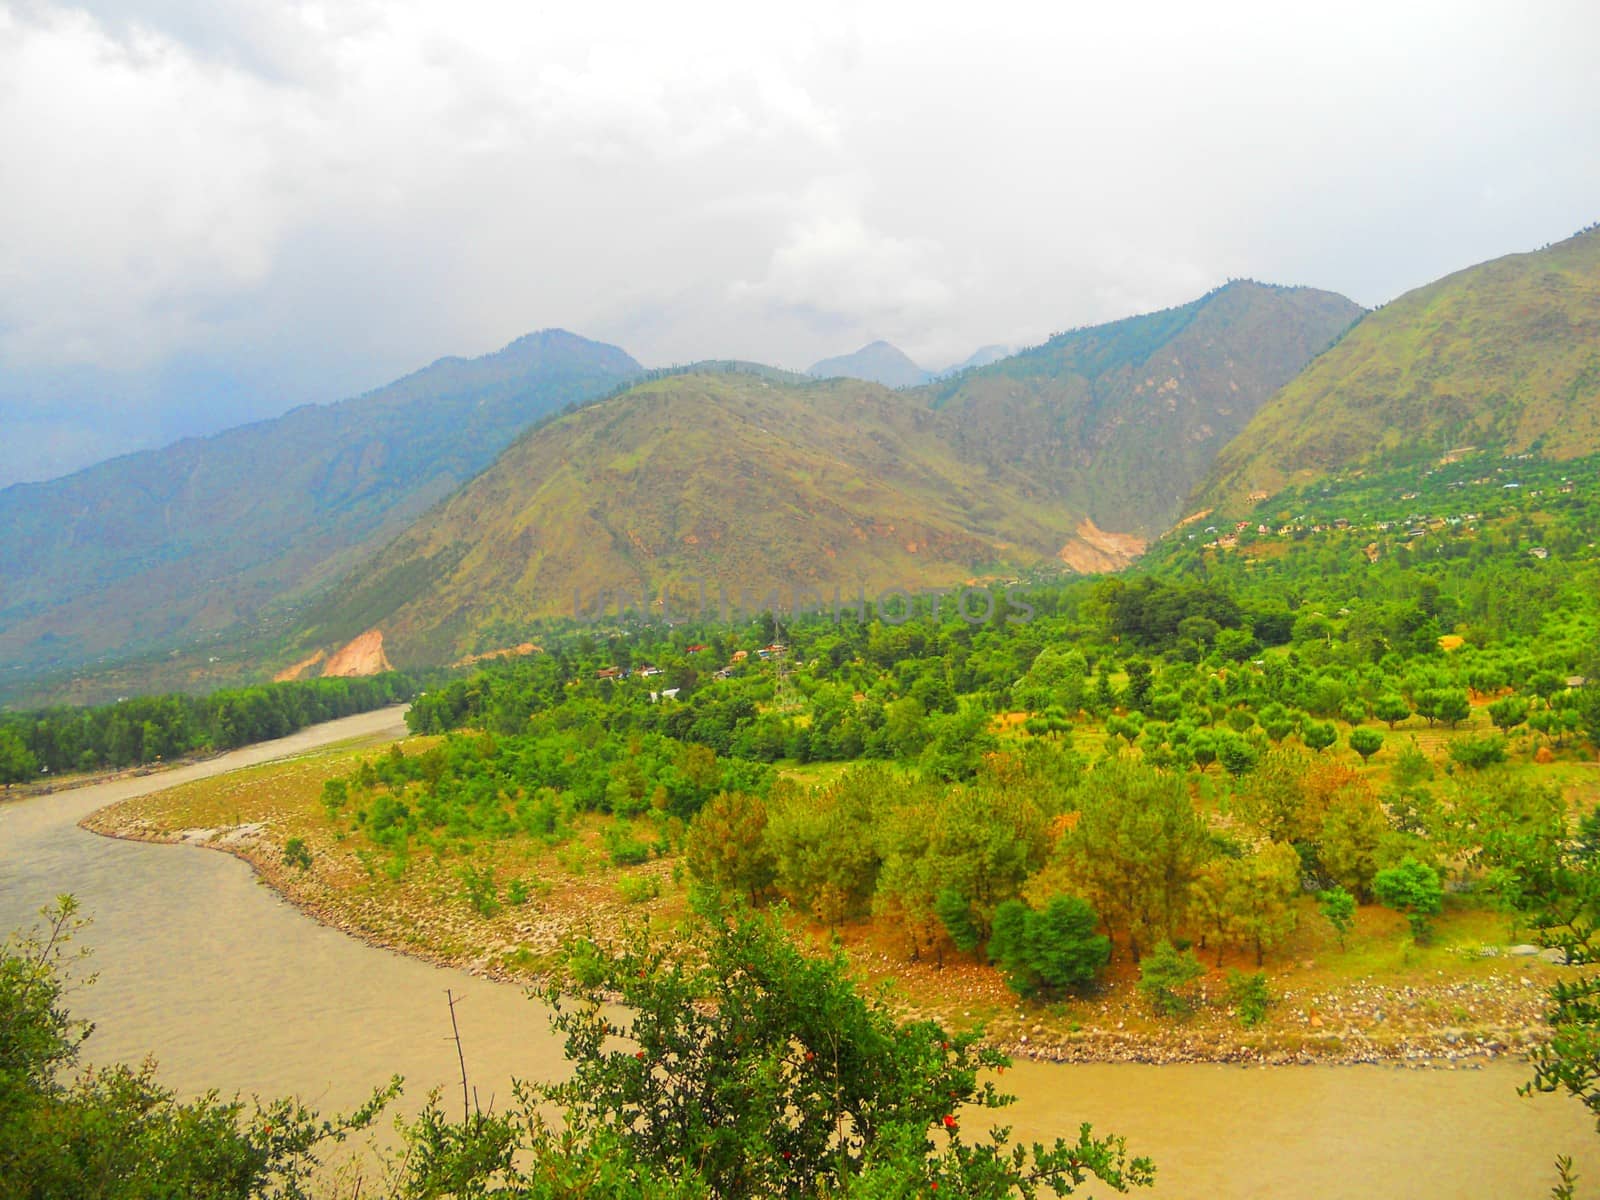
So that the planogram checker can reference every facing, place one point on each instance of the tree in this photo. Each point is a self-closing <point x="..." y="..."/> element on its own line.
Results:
<point x="114" y="1133"/>
<point x="1249" y="996"/>
<point x="753" y="1069"/>
<point x="1478" y="753"/>
<point x="1165" y="979"/>
<point x="1260" y="895"/>
<point x="1351" y="833"/>
<point x="1318" y="735"/>
<point x="824" y="853"/>
<point x="1450" y="705"/>
<point x="1365" y="741"/>
<point x="1508" y="712"/>
<point x="1412" y="888"/>
<point x="1050" y="951"/>
<point x="1134" y="850"/>
<point x="726" y="848"/>
<point x="1338" y="908"/>
<point x="17" y="763"/>
<point x="1391" y="709"/>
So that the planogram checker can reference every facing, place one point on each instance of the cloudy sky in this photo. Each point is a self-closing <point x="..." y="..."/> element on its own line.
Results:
<point x="212" y="212"/>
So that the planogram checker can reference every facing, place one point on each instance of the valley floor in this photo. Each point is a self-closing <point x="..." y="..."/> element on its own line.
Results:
<point x="1470" y="995"/>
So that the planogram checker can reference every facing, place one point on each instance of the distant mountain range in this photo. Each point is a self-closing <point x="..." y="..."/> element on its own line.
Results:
<point x="1070" y="455"/>
<point x="1504" y="355"/>
<point x="439" y="517"/>
<point x="883" y="363"/>
<point x="163" y="547"/>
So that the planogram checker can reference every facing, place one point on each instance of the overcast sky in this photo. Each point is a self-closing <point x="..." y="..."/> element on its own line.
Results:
<point x="212" y="212"/>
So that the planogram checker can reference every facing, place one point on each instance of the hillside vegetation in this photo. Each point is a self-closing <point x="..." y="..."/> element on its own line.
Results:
<point x="1501" y="356"/>
<point x="1118" y="420"/>
<point x="751" y="485"/>
<point x="1065" y="457"/>
<point x="167" y="546"/>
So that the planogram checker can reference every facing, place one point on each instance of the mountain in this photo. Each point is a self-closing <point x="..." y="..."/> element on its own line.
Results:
<point x="878" y="363"/>
<point x="1067" y="456"/>
<point x="981" y="357"/>
<point x="165" y="546"/>
<point x="726" y="477"/>
<point x="1118" y="421"/>
<point x="1503" y="356"/>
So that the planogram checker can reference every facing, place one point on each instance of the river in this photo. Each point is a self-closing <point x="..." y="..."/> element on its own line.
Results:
<point x="230" y="987"/>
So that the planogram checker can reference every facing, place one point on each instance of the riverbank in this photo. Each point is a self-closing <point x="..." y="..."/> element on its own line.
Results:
<point x="1464" y="1000"/>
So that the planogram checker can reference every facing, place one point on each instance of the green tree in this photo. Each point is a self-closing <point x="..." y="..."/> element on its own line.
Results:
<point x="1318" y="735"/>
<point x="1508" y="712"/>
<point x="1365" y="741"/>
<point x="1249" y="996"/>
<point x="1166" y="978"/>
<point x="1412" y="888"/>
<point x="1338" y="908"/>
<point x="1050" y="951"/>
<point x="17" y="763"/>
<point x="1352" y="831"/>
<point x="754" y="1069"/>
<point x="1260" y="896"/>
<point x="726" y="847"/>
<point x="1391" y="708"/>
<point x="115" y="1133"/>
<point x="1135" y="849"/>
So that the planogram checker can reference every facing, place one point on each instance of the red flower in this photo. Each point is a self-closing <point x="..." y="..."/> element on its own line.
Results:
<point x="949" y="1122"/>
<point x="640" y="1056"/>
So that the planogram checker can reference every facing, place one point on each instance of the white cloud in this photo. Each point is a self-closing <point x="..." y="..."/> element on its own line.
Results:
<point x="326" y="195"/>
<point x="830" y="262"/>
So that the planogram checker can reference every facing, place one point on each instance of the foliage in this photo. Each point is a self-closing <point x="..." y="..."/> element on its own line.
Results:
<point x="1413" y="888"/>
<point x="1249" y="997"/>
<point x="1166" y="977"/>
<point x="744" y="1067"/>
<point x="1338" y="908"/>
<point x="147" y="729"/>
<point x="1050" y="951"/>
<point x="116" y="1133"/>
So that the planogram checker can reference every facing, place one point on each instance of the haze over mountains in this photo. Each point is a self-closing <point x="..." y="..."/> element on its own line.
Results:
<point x="879" y="362"/>
<point x="440" y="516"/>
<point x="162" y="547"/>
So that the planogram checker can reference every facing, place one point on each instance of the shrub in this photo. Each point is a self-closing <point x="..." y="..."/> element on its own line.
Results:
<point x="296" y="853"/>
<point x="637" y="889"/>
<point x="1165" y="979"/>
<point x="1365" y="741"/>
<point x="1249" y="997"/>
<point x="1048" y="951"/>
<point x="1412" y="888"/>
<point x="480" y="889"/>
<point x="1478" y="753"/>
<point x="625" y="849"/>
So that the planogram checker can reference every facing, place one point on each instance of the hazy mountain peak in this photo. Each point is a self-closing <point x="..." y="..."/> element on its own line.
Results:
<point x="877" y="362"/>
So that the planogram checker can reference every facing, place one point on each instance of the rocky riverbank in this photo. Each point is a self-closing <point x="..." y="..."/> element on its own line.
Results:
<point x="1491" y="1007"/>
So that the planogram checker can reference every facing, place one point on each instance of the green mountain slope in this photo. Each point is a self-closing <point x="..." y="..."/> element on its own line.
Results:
<point x="1502" y="356"/>
<point x="163" y="547"/>
<point x="1119" y="421"/>
<point x="1061" y="457"/>
<point x="726" y="477"/>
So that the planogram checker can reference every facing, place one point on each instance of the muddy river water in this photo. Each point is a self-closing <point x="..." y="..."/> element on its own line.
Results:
<point x="229" y="987"/>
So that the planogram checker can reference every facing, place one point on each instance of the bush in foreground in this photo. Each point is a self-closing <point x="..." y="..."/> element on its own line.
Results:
<point x="738" y="1066"/>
